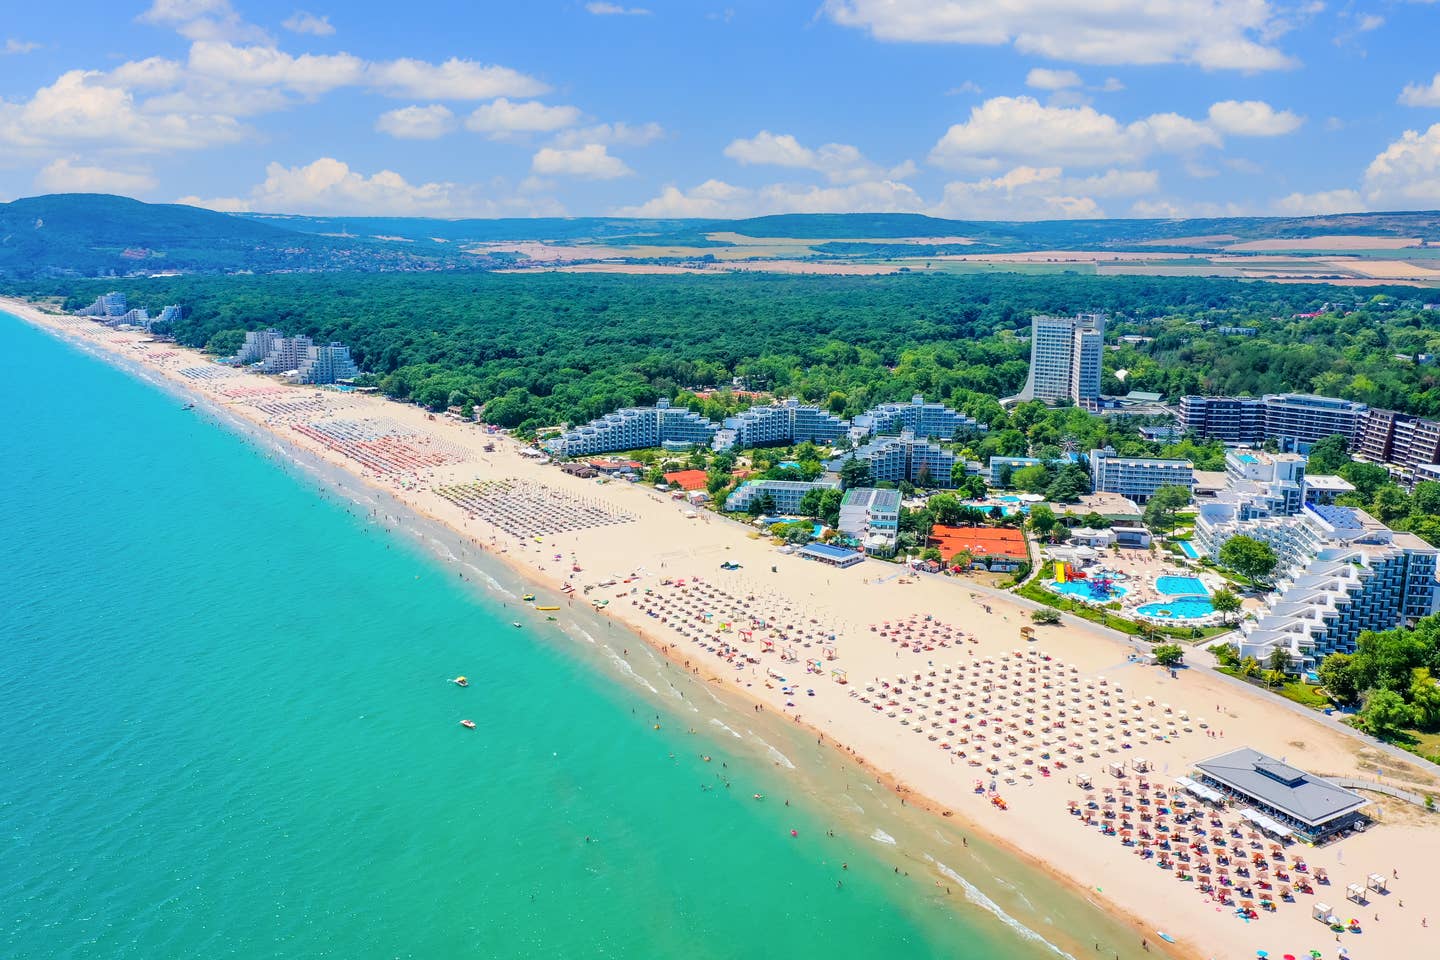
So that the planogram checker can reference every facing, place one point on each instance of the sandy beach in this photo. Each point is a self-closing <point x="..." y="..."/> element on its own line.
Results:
<point x="941" y="698"/>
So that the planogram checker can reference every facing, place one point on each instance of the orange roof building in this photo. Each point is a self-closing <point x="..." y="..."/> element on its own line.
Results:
<point x="980" y="541"/>
<point x="687" y="479"/>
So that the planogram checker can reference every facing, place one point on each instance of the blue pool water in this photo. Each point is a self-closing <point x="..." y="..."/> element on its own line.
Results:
<point x="1179" y="586"/>
<point x="1188" y="548"/>
<point x="1084" y="590"/>
<point x="1179" y="608"/>
<point x="1008" y="499"/>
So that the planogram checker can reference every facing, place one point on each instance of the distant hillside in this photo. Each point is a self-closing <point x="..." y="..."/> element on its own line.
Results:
<point x="100" y="235"/>
<point x="879" y="228"/>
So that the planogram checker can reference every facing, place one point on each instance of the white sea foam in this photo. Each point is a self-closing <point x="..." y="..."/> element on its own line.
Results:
<point x="625" y="667"/>
<point x="973" y="894"/>
<point x="776" y="755"/>
<point x="880" y="836"/>
<point x="717" y="722"/>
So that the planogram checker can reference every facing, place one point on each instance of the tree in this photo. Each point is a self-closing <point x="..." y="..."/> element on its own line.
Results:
<point x="1164" y="503"/>
<point x="1386" y="713"/>
<point x="932" y="554"/>
<point x="1047" y="615"/>
<point x="1069" y="485"/>
<point x="1042" y="519"/>
<point x="225" y="343"/>
<point x="963" y="560"/>
<point x="1425" y="697"/>
<point x="1249" y="667"/>
<point x="1032" y="479"/>
<point x="1368" y="478"/>
<point x="854" y="473"/>
<point x="1279" y="660"/>
<point x="1248" y="557"/>
<point x="1169" y="654"/>
<point x="1328" y="455"/>
<point x="1340" y="678"/>
<point x="1227" y="654"/>
<point x="810" y="503"/>
<point x="1225" y="602"/>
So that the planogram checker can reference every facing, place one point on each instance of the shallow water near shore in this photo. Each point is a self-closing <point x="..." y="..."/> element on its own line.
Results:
<point x="228" y="731"/>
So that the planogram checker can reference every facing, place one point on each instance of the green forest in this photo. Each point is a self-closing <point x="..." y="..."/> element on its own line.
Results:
<point x="539" y="350"/>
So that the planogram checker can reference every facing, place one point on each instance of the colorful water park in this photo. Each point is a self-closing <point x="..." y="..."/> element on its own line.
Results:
<point x="1097" y="586"/>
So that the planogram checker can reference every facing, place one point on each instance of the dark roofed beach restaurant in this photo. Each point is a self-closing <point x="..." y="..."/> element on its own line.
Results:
<point x="1286" y="799"/>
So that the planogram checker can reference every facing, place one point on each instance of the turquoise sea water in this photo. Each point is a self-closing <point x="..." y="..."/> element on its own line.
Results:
<point x="227" y="732"/>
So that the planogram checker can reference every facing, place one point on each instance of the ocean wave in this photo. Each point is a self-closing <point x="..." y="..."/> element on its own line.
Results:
<point x="625" y="667"/>
<point x="776" y="755"/>
<point x="880" y="836"/>
<point x="975" y="896"/>
<point x="717" y="722"/>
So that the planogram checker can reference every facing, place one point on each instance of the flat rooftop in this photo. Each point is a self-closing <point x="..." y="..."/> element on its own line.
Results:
<point x="981" y="541"/>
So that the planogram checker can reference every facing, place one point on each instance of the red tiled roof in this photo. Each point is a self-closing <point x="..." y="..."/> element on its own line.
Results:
<point x="687" y="479"/>
<point x="981" y="541"/>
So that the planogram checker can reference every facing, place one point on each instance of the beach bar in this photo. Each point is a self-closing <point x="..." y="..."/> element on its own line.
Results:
<point x="835" y="556"/>
<point x="1285" y="801"/>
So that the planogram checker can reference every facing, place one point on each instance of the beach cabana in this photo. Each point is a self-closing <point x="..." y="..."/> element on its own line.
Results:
<point x="1377" y="882"/>
<point x="1355" y="892"/>
<point x="1322" y="912"/>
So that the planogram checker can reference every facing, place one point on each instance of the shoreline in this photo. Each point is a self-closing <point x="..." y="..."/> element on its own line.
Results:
<point x="915" y="789"/>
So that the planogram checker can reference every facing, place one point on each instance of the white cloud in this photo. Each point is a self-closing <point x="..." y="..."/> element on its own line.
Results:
<point x="1368" y="22"/>
<point x="262" y="66"/>
<point x="452" y="80"/>
<point x="715" y="198"/>
<point x="1422" y="94"/>
<point x="152" y="73"/>
<point x="1043" y="79"/>
<point x="1214" y="34"/>
<point x="590" y="162"/>
<point x="615" y="134"/>
<point x="1321" y="203"/>
<point x="1252" y="118"/>
<point x="504" y="117"/>
<point x="80" y="107"/>
<point x="1040" y="193"/>
<point x="416" y="122"/>
<point x="329" y="186"/>
<point x="302" y="21"/>
<point x="1406" y="174"/>
<point x="1112" y="85"/>
<point x="202" y="20"/>
<point x="966" y="86"/>
<point x="13" y="46"/>
<point x="70" y="175"/>
<point x="615" y="10"/>
<point x="1021" y="129"/>
<point x="840" y="162"/>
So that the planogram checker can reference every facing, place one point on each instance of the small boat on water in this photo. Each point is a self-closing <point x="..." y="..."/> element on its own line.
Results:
<point x="547" y="608"/>
<point x="528" y="597"/>
<point x="468" y="724"/>
<point x="515" y="623"/>
<point x="460" y="682"/>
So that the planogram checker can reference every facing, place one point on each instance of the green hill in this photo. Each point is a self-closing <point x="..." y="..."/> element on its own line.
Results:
<point x="101" y="235"/>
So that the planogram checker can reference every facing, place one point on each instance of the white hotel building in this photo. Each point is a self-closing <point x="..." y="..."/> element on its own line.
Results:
<point x="1137" y="478"/>
<point x="634" y="428"/>
<point x="1065" y="358"/>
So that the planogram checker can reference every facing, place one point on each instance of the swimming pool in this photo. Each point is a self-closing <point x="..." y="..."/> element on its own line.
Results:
<point x="1178" y="608"/>
<point x="1180" y="586"/>
<point x="1008" y="498"/>
<point x="1188" y="548"/>
<point x="1083" y="590"/>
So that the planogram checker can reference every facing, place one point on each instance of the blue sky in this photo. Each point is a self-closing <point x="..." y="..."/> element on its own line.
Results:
<point x="959" y="108"/>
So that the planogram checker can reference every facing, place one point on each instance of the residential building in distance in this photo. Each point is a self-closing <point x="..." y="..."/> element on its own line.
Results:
<point x="1293" y="420"/>
<point x="1065" y="356"/>
<point x="170" y="314"/>
<point x="926" y="420"/>
<point x="1340" y="572"/>
<point x="1232" y="419"/>
<point x="634" y="428"/>
<point x="871" y="516"/>
<point x="1273" y="484"/>
<point x="328" y="363"/>
<point x="257" y="345"/>
<point x="287" y="354"/>
<point x="1324" y="489"/>
<point x="1137" y="478"/>
<point x="907" y="458"/>
<point x="999" y="466"/>
<point x="106" y="305"/>
<point x="786" y="422"/>
<point x="1400" y="439"/>
<point x="784" y="494"/>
